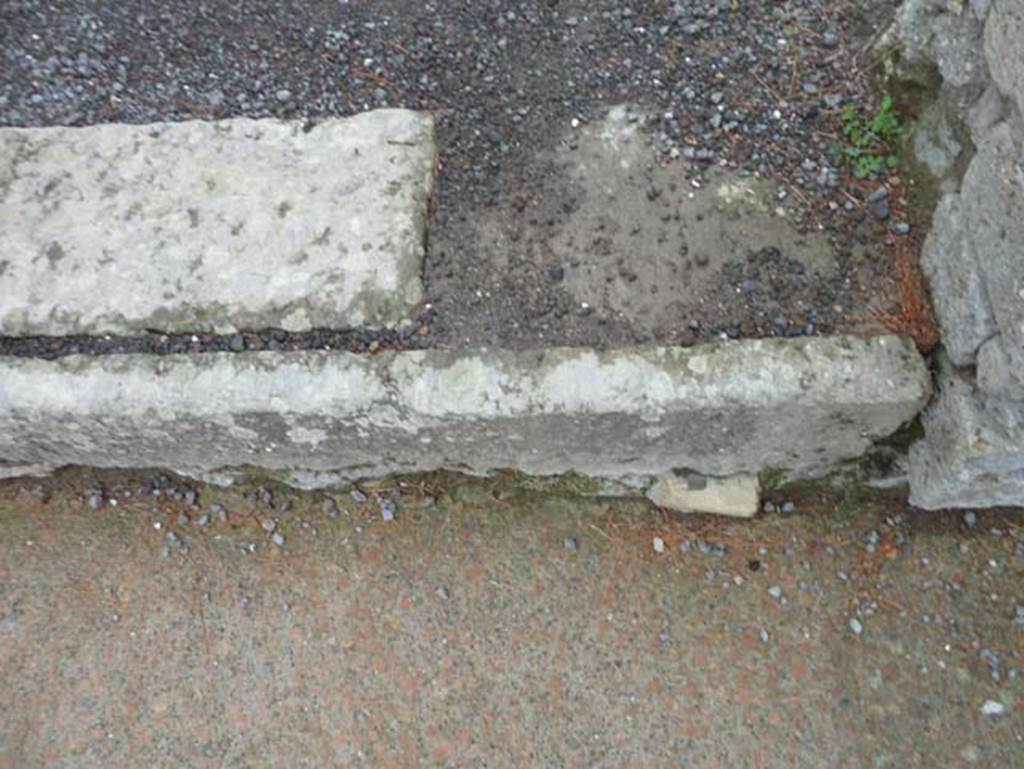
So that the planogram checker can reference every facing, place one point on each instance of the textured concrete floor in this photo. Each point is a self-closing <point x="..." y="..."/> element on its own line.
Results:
<point x="465" y="633"/>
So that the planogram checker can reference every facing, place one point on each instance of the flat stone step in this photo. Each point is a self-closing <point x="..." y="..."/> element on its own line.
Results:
<point x="221" y="226"/>
<point x="316" y="418"/>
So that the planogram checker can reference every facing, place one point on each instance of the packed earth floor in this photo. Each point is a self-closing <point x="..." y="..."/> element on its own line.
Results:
<point x="532" y="240"/>
<point x="145" y="621"/>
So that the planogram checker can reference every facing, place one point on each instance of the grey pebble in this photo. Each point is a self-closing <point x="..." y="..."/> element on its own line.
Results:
<point x="95" y="498"/>
<point x="183" y="519"/>
<point x="878" y="202"/>
<point x="570" y="543"/>
<point x="970" y="518"/>
<point x="277" y="538"/>
<point x="387" y="508"/>
<point x="283" y="94"/>
<point x="330" y="507"/>
<point x="358" y="496"/>
<point x="855" y="626"/>
<point x="787" y="507"/>
<point x="775" y="592"/>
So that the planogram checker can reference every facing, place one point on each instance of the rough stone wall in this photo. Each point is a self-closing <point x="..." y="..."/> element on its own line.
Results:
<point x="972" y="139"/>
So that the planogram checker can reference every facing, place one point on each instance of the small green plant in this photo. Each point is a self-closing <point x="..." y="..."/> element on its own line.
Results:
<point x="868" y="148"/>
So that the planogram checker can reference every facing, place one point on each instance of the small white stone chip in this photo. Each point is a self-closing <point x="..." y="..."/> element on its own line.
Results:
<point x="993" y="708"/>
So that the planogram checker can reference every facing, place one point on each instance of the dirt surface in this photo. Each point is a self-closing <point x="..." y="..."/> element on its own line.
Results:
<point x="144" y="622"/>
<point x="516" y="256"/>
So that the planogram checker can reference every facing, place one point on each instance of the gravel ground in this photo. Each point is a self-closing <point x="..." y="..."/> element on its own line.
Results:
<point x="448" y="622"/>
<point x="749" y="86"/>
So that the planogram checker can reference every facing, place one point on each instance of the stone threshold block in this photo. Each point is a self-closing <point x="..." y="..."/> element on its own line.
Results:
<point x="321" y="418"/>
<point x="214" y="226"/>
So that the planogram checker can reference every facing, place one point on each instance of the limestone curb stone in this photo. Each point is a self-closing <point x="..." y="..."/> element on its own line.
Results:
<point x="214" y="226"/>
<point x="320" y="418"/>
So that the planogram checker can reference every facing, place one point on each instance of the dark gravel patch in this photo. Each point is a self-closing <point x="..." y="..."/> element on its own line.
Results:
<point x="750" y="85"/>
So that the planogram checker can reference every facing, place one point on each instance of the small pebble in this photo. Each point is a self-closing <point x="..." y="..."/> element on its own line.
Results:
<point x="685" y="546"/>
<point x="993" y="708"/>
<point x="659" y="545"/>
<point x="970" y="518"/>
<point x="203" y="520"/>
<point x="268" y="524"/>
<point x="220" y="512"/>
<point x="358" y="496"/>
<point x="95" y="498"/>
<point x="387" y="508"/>
<point x="775" y="592"/>
<point x="570" y="543"/>
<point x="855" y="626"/>
<point x="764" y="635"/>
<point x="183" y="519"/>
<point x="277" y="538"/>
<point x="787" y="508"/>
<point x="442" y="593"/>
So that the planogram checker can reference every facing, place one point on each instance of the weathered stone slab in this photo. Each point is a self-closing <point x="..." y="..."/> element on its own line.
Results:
<point x="213" y="226"/>
<point x="321" y="417"/>
<point x="973" y="452"/>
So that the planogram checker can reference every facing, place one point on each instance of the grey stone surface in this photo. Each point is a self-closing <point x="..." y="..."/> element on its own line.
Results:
<point x="996" y="376"/>
<point x="973" y="455"/>
<point x="935" y="142"/>
<point x="993" y="195"/>
<point x="986" y="112"/>
<point x="958" y="289"/>
<point x="213" y="226"/>
<point x="1004" y="47"/>
<point x="948" y="34"/>
<point x="315" y="418"/>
